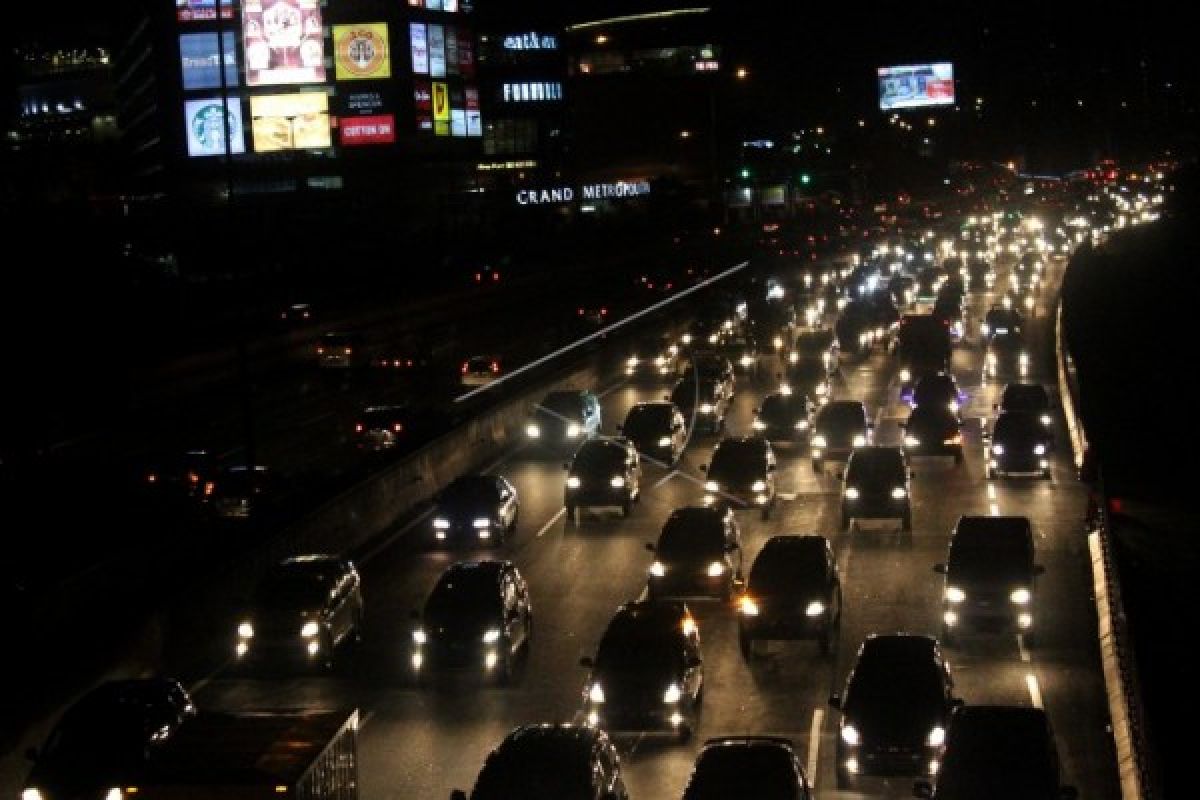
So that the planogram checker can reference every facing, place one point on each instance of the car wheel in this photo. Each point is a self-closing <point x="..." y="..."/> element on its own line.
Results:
<point x="906" y="523"/>
<point x="958" y="458"/>
<point x="746" y="645"/>
<point x="572" y="518"/>
<point x="627" y="506"/>
<point x="991" y="473"/>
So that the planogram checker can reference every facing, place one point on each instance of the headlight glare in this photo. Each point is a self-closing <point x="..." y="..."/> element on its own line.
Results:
<point x="850" y="735"/>
<point x="814" y="609"/>
<point x="937" y="736"/>
<point x="310" y="630"/>
<point x="246" y="630"/>
<point x="491" y="636"/>
<point x="673" y="694"/>
<point x="955" y="594"/>
<point x="1020" y="596"/>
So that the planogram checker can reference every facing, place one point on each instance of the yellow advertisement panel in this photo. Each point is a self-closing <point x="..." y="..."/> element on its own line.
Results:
<point x="290" y="121"/>
<point x="361" y="51"/>
<point x="441" y="109"/>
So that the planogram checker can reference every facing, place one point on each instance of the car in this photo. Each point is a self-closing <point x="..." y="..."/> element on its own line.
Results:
<point x="104" y="739"/>
<point x="794" y="591"/>
<point x="990" y="577"/>
<point x="904" y="290"/>
<point x="933" y="430"/>
<point x="383" y="427"/>
<point x="929" y="280"/>
<point x="856" y="328"/>
<point x="551" y="762"/>
<point x="741" y="474"/>
<point x="563" y="419"/>
<point x="839" y="427"/>
<point x="876" y="486"/>
<point x="182" y="477"/>
<point x="297" y="314"/>
<point x="817" y="344"/>
<point x="923" y="344"/>
<point x="702" y="401"/>
<point x="480" y="370"/>
<point x="998" y="320"/>
<point x="341" y="350"/>
<point x="478" y="617"/>
<point x="1005" y="357"/>
<point x="713" y="365"/>
<point x="773" y="324"/>
<point x="648" y="671"/>
<point x="1030" y="263"/>
<point x="699" y="552"/>
<point x="808" y="377"/>
<point x="994" y="752"/>
<point x="937" y="389"/>
<point x="1019" y="444"/>
<point x="706" y="329"/>
<point x="604" y="472"/>
<point x="1025" y="284"/>
<point x="302" y="611"/>
<point x="981" y="277"/>
<point x="1031" y="397"/>
<point x="475" y="509"/>
<point x="894" y="709"/>
<point x="241" y="491"/>
<point x="761" y="767"/>
<point x="783" y="416"/>
<point x="741" y="350"/>
<point x="655" y="357"/>
<point x="950" y="308"/>
<point x="657" y="430"/>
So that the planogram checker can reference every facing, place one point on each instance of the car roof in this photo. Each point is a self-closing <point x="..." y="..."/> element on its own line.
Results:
<point x="889" y="646"/>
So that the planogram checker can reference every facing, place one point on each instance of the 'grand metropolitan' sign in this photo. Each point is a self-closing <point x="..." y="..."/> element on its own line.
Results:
<point x="590" y="191"/>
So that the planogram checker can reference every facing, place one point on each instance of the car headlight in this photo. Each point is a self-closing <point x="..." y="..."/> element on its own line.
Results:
<point x="31" y="793"/>
<point x="784" y="389"/>
<point x="814" y="609"/>
<point x="759" y="486"/>
<point x="794" y="358"/>
<point x="658" y="569"/>
<point x="673" y="694"/>
<point x="758" y="425"/>
<point x="747" y="606"/>
<point x="573" y="431"/>
<point x="953" y="406"/>
<point x="851" y="493"/>
<point x="905" y="375"/>
<point x="712" y="486"/>
<point x="481" y="522"/>
<point x="850" y="735"/>
<point x="716" y="569"/>
<point x="441" y="523"/>
<point x="310" y="630"/>
<point x="747" y="361"/>
<point x="955" y="595"/>
<point x="616" y="482"/>
<point x="419" y="636"/>
<point x="899" y="493"/>
<point x="937" y="736"/>
<point x="1039" y="449"/>
<point x="661" y="361"/>
<point x="533" y="431"/>
<point x="983" y="329"/>
<point x="801" y="424"/>
<point x="712" y="339"/>
<point x="114" y="794"/>
<point x="818" y="440"/>
<point x="860" y="441"/>
<point x="573" y="482"/>
<point x="245" y="630"/>
<point x="664" y="441"/>
<point x="822" y="389"/>
<point x="1020" y="597"/>
<point x="1023" y="359"/>
<point x="686" y="338"/>
<point x="912" y="441"/>
<point x="491" y="636"/>
<point x="632" y="361"/>
<point x="706" y="408"/>
<point x="1047" y="419"/>
<point x="998" y="449"/>
<point x="596" y="693"/>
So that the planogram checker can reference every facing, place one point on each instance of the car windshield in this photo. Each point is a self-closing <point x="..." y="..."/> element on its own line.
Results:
<point x="471" y="490"/>
<point x="464" y="595"/>
<point x="1025" y="397"/>
<point x="991" y="549"/>
<point x="542" y="770"/>
<point x="841" y="416"/>
<point x="691" y="535"/>
<point x="875" y="467"/>
<point x="781" y="407"/>
<point x="648" y="419"/>
<point x="932" y="416"/>
<point x="631" y="645"/>
<point x="382" y="418"/>
<point x="686" y="392"/>
<point x="787" y="569"/>
<point x="560" y="404"/>
<point x="738" y="459"/>
<point x="102" y="732"/>
<point x="599" y="457"/>
<point x="1019" y="425"/>
<point x="1005" y="343"/>
<point x="893" y="682"/>
<point x="1011" y="751"/>
<point x="649" y="348"/>
<point x="295" y="588"/>
<point x="762" y="772"/>
<point x="934" y="387"/>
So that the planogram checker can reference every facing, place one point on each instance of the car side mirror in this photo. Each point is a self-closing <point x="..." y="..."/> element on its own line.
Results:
<point x="957" y="702"/>
<point x="771" y="467"/>
<point x="1068" y="793"/>
<point x="756" y="410"/>
<point x="677" y="427"/>
<point x="651" y="547"/>
<point x="995" y="406"/>
<point x="835" y="701"/>
<point x="458" y="794"/>
<point x="1038" y="569"/>
<point x="840" y="474"/>
<point x="940" y="569"/>
<point x="587" y="661"/>
<point x="694" y="662"/>
<point x="703" y="467"/>
<point x="922" y="789"/>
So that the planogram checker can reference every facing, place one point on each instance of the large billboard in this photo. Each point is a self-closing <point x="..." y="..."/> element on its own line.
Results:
<point x="441" y="109"/>
<point x="283" y="41"/>
<point x="364" y="117"/>
<point x="361" y="51"/>
<point x="916" y="86"/>
<point x="206" y="128"/>
<point x="297" y="121"/>
<point x="197" y="10"/>
<point x="199" y="57"/>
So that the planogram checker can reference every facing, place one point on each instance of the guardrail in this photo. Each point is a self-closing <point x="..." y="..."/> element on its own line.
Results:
<point x="1119" y="664"/>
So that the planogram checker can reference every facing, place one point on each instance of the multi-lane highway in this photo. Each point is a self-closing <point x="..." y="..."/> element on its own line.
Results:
<point x="421" y="741"/>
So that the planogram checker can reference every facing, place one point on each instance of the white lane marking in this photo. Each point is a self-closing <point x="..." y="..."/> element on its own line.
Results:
<point x="1021" y="648"/>
<point x="991" y="491"/>
<point x="664" y="479"/>
<point x="613" y="388"/>
<point x="550" y="522"/>
<point x="603" y="331"/>
<point x="1035" y="693"/>
<point x="387" y="541"/>
<point x="814" y="742"/>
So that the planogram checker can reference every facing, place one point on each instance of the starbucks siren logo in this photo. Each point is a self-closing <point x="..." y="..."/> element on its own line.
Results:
<point x="208" y="128"/>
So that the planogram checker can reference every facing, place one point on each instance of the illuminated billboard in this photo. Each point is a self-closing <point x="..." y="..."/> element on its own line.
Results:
<point x="437" y="51"/>
<point x="283" y="42"/>
<point x="199" y="57"/>
<point x="379" y="129"/>
<point x="206" y="127"/>
<point x="197" y="10"/>
<point x="423" y="102"/>
<point x="916" y="86"/>
<point x="441" y="109"/>
<point x="418" y="47"/>
<point x="290" y="121"/>
<point x="361" y="51"/>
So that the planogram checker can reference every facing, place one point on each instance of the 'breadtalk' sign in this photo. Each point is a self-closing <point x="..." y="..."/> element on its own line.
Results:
<point x="361" y="51"/>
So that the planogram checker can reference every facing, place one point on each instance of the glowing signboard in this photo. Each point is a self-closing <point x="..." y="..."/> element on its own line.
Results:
<point x="361" y="51"/>
<point x="916" y="86"/>
<point x="290" y="121"/>
<point x="283" y="42"/>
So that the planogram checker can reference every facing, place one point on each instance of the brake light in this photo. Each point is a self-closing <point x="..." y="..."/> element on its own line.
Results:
<point x="464" y="368"/>
<point x="397" y="427"/>
<point x="348" y="349"/>
<point x="358" y="428"/>
<point x="495" y="366"/>
<point x="495" y="276"/>
<point x="320" y="351"/>
<point x="581" y="312"/>
<point x="208" y="488"/>
<point x="604" y="312"/>
<point x="478" y="277"/>
<point x="151" y="478"/>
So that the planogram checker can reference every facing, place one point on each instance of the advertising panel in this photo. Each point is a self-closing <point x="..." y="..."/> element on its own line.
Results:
<point x="451" y="50"/>
<point x="474" y="120"/>
<point x="206" y="128"/>
<point x="283" y="42"/>
<point x="441" y="109"/>
<point x="361" y="51"/>
<point x="290" y="121"/>
<point x="437" y="51"/>
<point x="418" y="47"/>
<point x="423" y="103"/>
<point x="380" y="129"/>
<point x="466" y="54"/>
<point x="458" y="113"/>
<point x="197" y="10"/>
<point x="199" y="57"/>
<point x="916" y="86"/>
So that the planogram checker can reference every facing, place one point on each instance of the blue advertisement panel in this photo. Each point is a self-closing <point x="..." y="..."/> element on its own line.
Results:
<point x="916" y="86"/>
<point x="199" y="57"/>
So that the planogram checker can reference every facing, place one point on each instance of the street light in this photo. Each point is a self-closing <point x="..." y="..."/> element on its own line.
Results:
<point x="742" y="73"/>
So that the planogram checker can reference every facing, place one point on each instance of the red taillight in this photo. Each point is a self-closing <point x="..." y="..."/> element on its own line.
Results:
<point x="193" y="477"/>
<point x="604" y="312"/>
<point x="410" y="362"/>
<point x="478" y="277"/>
<point x="348" y="349"/>
<point x="151" y="478"/>
<point x="358" y="428"/>
<point x="283" y="315"/>
<point x="495" y="366"/>
<point x="397" y="427"/>
<point x="464" y="368"/>
<point x="320" y="351"/>
<point x="581" y="312"/>
<point x="495" y="276"/>
<point x="208" y="488"/>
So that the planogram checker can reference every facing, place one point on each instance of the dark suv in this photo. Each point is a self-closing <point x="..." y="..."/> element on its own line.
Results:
<point x="550" y="762"/>
<point x="648" y="674"/>
<point x="895" y="709"/>
<point x="702" y="401"/>
<point x="1019" y="444"/>
<point x="563" y="419"/>
<point x="475" y="509"/>
<point x="783" y="416"/>
<point x="932" y="430"/>
<point x="876" y="486"/>
<point x="605" y="472"/>
<point x="758" y="767"/>
<point x="657" y="430"/>
<point x="699" y="552"/>
<point x="794" y="592"/>
<point x="839" y="427"/>
<point x="990" y="576"/>
<point x="742" y="474"/>
<point x="477" y="617"/>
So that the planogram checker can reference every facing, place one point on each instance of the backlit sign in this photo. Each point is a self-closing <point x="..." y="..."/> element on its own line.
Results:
<point x="423" y="103"/>
<point x="197" y="10"/>
<point x="283" y="42"/>
<point x="530" y="41"/>
<point x="441" y="109"/>
<point x="531" y="92"/>
<point x="916" y="86"/>
<point x="206" y="126"/>
<point x="437" y="51"/>
<point x="199" y="57"/>
<point x="419" y="48"/>
<point x="553" y="195"/>
<point x="297" y="121"/>
<point x="361" y="51"/>
<point x="368" y="130"/>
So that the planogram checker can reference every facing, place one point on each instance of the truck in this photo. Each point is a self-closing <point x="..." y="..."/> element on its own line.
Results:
<point x="247" y="755"/>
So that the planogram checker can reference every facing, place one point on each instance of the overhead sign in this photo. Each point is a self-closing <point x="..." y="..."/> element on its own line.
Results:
<point x="916" y="86"/>
<point x="361" y="51"/>
<point x="206" y="126"/>
<point x="604" y="191"/>
<point x="437" y="51"/>
<point x="548" y="196"/>
<point x="199" y="58"/>
<point x="552" y="195"/>
<point x="283" y="41"/>
<point x="297" y="121"/>
<point x="423" y="104"/>
<point x="530" y="41"/>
